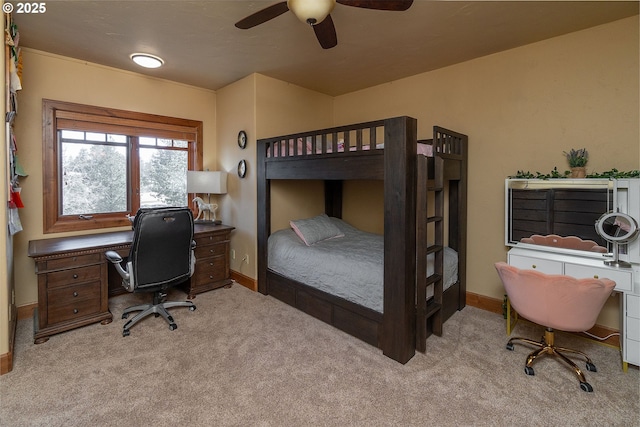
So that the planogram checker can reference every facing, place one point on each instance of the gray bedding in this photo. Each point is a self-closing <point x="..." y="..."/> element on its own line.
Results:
<point x="350" y="267"/>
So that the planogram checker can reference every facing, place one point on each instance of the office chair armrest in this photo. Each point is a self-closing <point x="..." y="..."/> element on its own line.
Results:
<point x="116" y="260"/>
<point x="113" y="257"/>
<point x="193" y="258"/>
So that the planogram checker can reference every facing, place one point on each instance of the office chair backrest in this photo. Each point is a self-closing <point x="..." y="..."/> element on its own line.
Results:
<point x="553" y="300"/>
<point x="161" y="249"/>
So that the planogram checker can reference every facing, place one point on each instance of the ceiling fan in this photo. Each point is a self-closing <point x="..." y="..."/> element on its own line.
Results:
<point x="317" y="14"/>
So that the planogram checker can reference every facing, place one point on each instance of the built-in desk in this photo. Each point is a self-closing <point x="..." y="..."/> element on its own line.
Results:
<point x="73" y="275"/>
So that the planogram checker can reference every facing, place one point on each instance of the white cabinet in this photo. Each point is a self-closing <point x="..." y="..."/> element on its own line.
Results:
<point x="579" y="267"/>
<point x="529" y="262"/>
<point x="554" y="262"/>
<point x="623" y="278"/>
<point x="631" y="350"/>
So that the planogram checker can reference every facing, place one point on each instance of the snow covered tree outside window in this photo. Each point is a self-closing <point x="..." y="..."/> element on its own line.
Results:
<point x="94" y="172"/>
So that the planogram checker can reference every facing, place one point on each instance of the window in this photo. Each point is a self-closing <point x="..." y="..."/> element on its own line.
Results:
<point x="101" y="164"/>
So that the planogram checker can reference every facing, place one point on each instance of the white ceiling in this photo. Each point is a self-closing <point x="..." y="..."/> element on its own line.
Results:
<point x="202" y="47"/>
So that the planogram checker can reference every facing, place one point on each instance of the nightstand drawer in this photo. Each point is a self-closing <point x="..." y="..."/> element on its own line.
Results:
<point x="623" y="279"/>
<point x="74" y="275"/>
<point x="210" y="239"/>
<point x="67" y="303"/>
<point x="212" y="259"/>
<point x="530" y="263"/>
<point x="211" y="269"/>
<point x="210" y="250"/>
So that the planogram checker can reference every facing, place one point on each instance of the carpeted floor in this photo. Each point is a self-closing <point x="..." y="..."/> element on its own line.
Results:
<point x="243" y="359"/>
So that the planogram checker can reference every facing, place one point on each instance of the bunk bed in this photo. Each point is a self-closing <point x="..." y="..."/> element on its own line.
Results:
<point x="384" y="150"/>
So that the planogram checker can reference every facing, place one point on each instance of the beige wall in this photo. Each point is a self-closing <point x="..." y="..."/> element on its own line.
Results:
<point x="236" y="112"/>
<point x="54" y="77"/>
<point x="262" y="107"/>
<point x="284" y="108"/>
<point x="521" y="109"/>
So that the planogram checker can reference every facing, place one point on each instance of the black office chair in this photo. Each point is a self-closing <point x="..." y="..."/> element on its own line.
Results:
<point x="161" y="256"/>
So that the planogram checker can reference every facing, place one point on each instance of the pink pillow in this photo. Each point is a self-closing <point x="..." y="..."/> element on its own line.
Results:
<point x="316" y="229"/>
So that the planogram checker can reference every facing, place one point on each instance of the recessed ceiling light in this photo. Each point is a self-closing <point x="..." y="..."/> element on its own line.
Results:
<point x="146" y="60"/>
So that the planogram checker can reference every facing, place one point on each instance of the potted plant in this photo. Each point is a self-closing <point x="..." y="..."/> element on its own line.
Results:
<point x="577" y="160"/>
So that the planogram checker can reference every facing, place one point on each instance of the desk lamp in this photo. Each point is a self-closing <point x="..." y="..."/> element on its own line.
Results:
<point x="206" y="182"/>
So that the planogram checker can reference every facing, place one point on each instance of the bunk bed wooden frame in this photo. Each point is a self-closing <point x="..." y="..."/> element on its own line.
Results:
<point x="407" y="318"/>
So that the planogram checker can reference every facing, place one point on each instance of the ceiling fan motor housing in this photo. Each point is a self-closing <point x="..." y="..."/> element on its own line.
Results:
<point x="311" y="11"/>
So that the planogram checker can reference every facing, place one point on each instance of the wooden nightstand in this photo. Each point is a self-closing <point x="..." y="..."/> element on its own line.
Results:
<point x="212" y="259"/>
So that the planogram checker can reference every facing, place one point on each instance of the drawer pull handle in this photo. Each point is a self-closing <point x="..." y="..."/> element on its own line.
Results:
<point x="211" y="264"/>
<point x="75" y="276"/>
<point x="533" y="266"/>
<point x="210" y="277"/>
<point x="75" y="311"/>
<point x="75" y="294"/>
<point x="595" y="276"/>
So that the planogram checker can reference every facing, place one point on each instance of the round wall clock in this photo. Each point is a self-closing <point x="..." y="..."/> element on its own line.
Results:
<point x="242" y="139"/>
<point x="242" y="168"/>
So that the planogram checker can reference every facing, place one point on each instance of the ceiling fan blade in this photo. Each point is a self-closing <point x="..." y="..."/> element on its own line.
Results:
<point x="326" y="33"/>
<point x="394" y="5"/>
<point x="263" y="15"/>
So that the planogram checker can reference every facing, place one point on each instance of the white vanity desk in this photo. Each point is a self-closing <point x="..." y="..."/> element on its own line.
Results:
<point x="571" y="207"/>
<point x="587" y="265"/>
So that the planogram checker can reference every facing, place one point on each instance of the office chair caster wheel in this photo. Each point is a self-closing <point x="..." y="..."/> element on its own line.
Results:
<point x="173" y="326"/>
<point x="510" y="346"/>
<point x="586" y="387"/>
<point x="125" y="333"/>
<point x="125" y="315"/>
<point x="591" y="367"/>
<point x="529" y="370"/>
<point x="192" y="308"/>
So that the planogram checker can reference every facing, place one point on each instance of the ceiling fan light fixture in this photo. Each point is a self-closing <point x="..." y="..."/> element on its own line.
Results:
<point x="147" y="60"/>
<point x="311" y="11"/>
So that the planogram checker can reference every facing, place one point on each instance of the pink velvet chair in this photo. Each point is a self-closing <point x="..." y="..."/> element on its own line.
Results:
<point x="555" y="302"/>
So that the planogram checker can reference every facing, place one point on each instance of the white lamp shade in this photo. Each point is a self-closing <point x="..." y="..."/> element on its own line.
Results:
<point x="206" y="182"/>
<point x="311" y="11"/>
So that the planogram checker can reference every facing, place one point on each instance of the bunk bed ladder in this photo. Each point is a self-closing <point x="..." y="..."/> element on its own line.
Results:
<point x="431" y="313"/>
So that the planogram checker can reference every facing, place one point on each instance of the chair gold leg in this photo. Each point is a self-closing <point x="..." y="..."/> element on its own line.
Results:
<point x="535" y="354"/>
<point x="512" y="318"/>
<point x="527" y="340"/>
<point x="570" y="350"/>
<point x="569" y="362"/>
<point x="546" y="346"/>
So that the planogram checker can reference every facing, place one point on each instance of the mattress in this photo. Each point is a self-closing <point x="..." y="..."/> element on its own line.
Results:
<point x="350" y="267"/>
